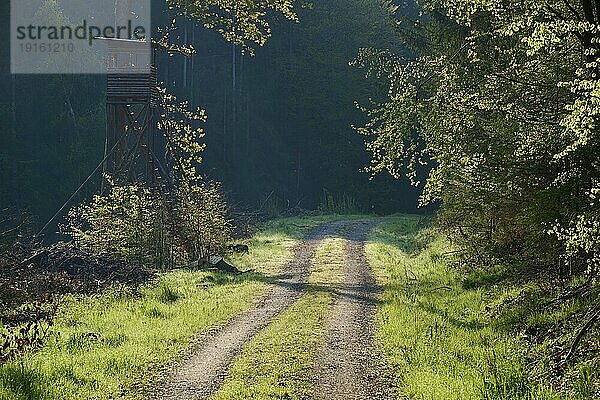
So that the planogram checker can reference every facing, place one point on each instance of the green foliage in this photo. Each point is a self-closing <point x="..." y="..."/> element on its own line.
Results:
<point x="147" y="226"/>
<point x="18" y="382"/>
<point x="125" y="223"/>
<point x="582" y="235"/>
<point x="338" y="204"/>
<point x="116" y="344"/>
<point x="184" y="145"/>
<point x="495" y="112"/>
<point x="243" y="24"/>
<point x="438" y="335"/>
<point x="480" y="335"/>
<point x="166" y="294"/>
<point x="505" y="380"/>
<point x="203" y="219"/>
<point x="21" y="338"/>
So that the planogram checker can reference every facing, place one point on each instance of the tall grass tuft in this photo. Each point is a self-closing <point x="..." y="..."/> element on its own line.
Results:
<point x="18" y="382"/>
<point x="340" y="204"/>
<point x="504" y="379"/>
<point x="166" y="294"/>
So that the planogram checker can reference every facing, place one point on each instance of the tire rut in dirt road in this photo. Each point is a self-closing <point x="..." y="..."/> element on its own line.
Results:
<point x="203" y="372"/>
<point x="348" y="366"/>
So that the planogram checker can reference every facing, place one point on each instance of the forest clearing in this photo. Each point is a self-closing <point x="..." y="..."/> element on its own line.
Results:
<point x="290" y="199"/>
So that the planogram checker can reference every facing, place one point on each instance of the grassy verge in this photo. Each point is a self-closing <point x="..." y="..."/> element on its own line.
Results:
<point x="278" y="362"/>
<point x="440" y="332"/>
<point x="116" y="343"/>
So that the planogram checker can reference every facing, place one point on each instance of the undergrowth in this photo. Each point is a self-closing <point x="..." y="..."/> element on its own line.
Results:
<point x="115" y="344"/>
<point x="454" y="335"/>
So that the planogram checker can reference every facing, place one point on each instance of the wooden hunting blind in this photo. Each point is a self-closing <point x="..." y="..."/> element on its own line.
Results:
<point x="131" y="99"/>
<point x="131" y="72"/>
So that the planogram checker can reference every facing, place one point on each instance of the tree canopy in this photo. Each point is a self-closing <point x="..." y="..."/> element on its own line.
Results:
<point x="499" y="99"/>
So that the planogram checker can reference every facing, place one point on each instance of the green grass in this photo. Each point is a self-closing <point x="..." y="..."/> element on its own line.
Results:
<point x="278" y="363"/>
<point x="115" y="344"/>
<point x="435" y="331"/>
<point x="445" y="334"/>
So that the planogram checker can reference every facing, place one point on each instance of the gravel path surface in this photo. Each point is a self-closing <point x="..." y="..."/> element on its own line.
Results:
<point x="348" y="367"/>
<point x="202" y="373"/>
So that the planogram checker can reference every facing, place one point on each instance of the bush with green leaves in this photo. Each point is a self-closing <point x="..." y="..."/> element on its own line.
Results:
<point x="149" y="226"/>
<point x="125" y="223"/>
<point x="203" y="220"/>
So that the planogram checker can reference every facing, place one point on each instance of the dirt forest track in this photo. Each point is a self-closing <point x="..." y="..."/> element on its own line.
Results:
<point x="346" y="366"/>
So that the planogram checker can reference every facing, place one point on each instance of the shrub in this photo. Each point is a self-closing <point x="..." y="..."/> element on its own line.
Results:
<point x="147" y="225"/>
<point x="203" y="219"/>
<point x="126" y="222"/>
<point x="582" y="235"/>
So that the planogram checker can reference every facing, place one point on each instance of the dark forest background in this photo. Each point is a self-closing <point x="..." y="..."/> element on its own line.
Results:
<point x="278" y="130"/>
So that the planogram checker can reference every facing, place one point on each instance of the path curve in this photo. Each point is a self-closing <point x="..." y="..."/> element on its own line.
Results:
<point x="202" y="373"/>
<point x="348" y="365"/>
